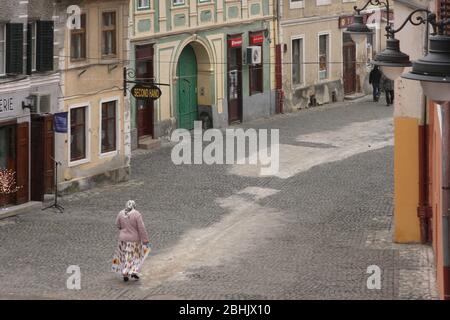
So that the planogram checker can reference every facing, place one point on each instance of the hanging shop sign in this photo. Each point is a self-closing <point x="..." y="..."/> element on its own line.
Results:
<point x="235" y="42"/>
<point x="144" y="92"/>
<point x="61" y="122"/>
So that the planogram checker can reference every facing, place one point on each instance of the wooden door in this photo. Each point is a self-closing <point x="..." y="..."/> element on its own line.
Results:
<point x="144" y="72"/>
<point x="235" y="85"/>
<point x="22" y="162"/>
<point x="42" y="148"/>
<point x="349" y="54"/>
<point x="187" y="89"/>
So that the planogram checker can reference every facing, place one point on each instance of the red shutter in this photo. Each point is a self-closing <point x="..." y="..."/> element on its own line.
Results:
<point x="22" y="162"/>
<point x="444" y="12"/>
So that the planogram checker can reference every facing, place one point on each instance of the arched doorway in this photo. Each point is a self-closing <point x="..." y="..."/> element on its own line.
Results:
<point x="187" y="88"/>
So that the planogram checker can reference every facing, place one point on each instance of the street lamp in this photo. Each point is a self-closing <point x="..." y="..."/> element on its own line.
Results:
<point x="358" y="30"/>
<point x="433" y="70"/>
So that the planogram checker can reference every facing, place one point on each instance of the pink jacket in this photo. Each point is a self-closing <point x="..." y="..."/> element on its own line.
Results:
<point x="131" y="226"/>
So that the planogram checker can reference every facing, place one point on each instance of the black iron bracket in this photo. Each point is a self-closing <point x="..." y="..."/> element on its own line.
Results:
<point x="131" y="73"/>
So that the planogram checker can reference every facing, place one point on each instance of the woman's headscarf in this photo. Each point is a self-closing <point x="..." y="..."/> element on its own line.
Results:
<point x="130" y="206"/>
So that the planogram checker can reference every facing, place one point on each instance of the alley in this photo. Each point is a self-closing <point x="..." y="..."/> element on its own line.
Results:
<point x="224" y="232"/>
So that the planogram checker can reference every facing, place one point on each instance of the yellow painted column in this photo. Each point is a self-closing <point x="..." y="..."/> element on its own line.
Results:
<point x="406" y="177"/>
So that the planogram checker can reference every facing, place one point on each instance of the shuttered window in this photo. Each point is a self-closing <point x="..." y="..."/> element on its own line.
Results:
<point x="2" y="49"/>
<point x="14" y="48"/>
<point x="44" y="45"/>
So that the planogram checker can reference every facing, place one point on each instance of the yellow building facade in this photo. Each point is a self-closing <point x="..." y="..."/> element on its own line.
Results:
<point x="97" y="144"/>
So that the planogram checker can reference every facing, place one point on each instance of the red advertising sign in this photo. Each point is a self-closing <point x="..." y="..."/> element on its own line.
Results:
<point x="235" y="42"/>
<point x="256" y="38"/>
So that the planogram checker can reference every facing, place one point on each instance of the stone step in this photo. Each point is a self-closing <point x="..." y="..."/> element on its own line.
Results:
<point x="354" y="96"/>
<point x="20" y="209"/>
<point x="148" y="143"/>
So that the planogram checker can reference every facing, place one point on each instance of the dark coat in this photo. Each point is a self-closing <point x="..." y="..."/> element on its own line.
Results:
<point x="387" y="84"/>
<point x="375" y="76"/>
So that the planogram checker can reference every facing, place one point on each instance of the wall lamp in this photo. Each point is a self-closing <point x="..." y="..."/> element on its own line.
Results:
<point x="433" y="70"/>
<point x="29" y="103"/>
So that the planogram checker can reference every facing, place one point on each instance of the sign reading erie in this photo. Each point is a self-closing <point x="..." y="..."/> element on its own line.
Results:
<point x="146" y="92"/>
<point x="6" y="105"/>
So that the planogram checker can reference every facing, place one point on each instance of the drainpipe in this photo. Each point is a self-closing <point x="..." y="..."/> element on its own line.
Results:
<point x="424" y="210"/>
<point x="446" y="197"/>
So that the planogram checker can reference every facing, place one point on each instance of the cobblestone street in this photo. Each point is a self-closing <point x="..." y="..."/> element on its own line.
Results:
<point x="224" y="232"/>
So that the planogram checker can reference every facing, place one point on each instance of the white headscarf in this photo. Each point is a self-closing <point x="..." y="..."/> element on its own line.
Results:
<point x="130" y="206"/>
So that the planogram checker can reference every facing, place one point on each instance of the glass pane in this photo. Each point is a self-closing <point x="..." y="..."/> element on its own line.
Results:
<point x="7" y="147"/>
<point x="112" y="110"/>
<point x="78" y="150"/>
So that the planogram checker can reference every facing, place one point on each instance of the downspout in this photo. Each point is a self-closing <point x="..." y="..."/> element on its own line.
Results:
<point x="424" y="210"/>
<point x="446" y="197"/>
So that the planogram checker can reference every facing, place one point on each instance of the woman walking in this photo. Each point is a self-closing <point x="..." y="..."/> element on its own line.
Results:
<point x="133" y="243"/>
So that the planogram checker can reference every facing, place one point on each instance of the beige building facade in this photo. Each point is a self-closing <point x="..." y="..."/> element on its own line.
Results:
<point x="321" y="63"/>
<point x="96" y="146"/>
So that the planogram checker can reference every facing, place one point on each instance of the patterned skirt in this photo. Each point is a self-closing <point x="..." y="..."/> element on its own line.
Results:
<point x="129" y="258"/>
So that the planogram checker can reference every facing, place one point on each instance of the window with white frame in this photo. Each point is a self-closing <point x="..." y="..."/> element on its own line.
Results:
<point x="108" y="129"/>
<point x="297" y="61"/>
<point x="143" y="4"/>
<point x="177" y="2"/>
<point x="324" y="56"/>
<point x="2" y="49"/>
<point x="322" y="2"/>
<point x="109" y="35"/>
<point x="296" y="4"/>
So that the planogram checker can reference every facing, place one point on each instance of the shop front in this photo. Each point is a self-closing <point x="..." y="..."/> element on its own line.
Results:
<point x="14" y="148"/>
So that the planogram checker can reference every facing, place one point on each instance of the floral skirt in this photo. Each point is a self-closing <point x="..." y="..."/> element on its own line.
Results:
<point x="129" y="258"/>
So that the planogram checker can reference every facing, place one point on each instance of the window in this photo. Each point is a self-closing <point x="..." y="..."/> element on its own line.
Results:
<point x="2" y="49"/>
<point x="109" y="34"/>
<point x="40" y="46"/>
<point x="33" y="43"/>
<point x="178" y="2"/>
<point x="78" y="41"/>
<point x="256" y="70"/>
<point x="297" y="61"/>
<point x="143" y="4"/>
<point x="108" y="126"/>
<point x="296" y="4"/>
<point x="78" y="133"/>
<point x="323" y="56"/>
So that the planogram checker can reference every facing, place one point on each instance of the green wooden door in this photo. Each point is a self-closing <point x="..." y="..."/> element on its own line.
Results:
<point x="187" y="89"/>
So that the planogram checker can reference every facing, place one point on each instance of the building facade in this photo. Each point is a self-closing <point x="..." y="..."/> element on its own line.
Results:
<point x="29" y="91"/>
<point x="421" y="157"/>
<point x="198" y="50"/>
<point x="96" y="146"/>
<point x="321" y="63"/>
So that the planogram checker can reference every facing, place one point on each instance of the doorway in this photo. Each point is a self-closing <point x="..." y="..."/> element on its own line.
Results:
<point x="234" y="80"/>
<point x="349" y="54"/>
<point x="187" y="88"/>
<point x="8" y="157"/>
<point x="145" y="108"/>
<point x="42" y="148"/>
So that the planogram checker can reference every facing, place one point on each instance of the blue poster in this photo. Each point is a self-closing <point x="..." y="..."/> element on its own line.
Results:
<point x="61" y="122"/>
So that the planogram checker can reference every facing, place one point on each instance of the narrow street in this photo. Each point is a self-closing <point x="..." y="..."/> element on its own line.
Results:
<point x="223" y="232"/>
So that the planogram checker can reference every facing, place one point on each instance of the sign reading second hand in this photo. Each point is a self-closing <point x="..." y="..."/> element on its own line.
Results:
<point x="146" y="92"/>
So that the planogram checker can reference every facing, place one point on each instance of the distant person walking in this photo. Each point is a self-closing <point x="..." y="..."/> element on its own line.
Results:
<point x="374" y="80"/>
<point x="388" y="87"/>
<point x="133" y="243"/>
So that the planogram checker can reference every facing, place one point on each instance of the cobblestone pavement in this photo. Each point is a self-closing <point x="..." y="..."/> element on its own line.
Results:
<point x="224" y="232"/>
